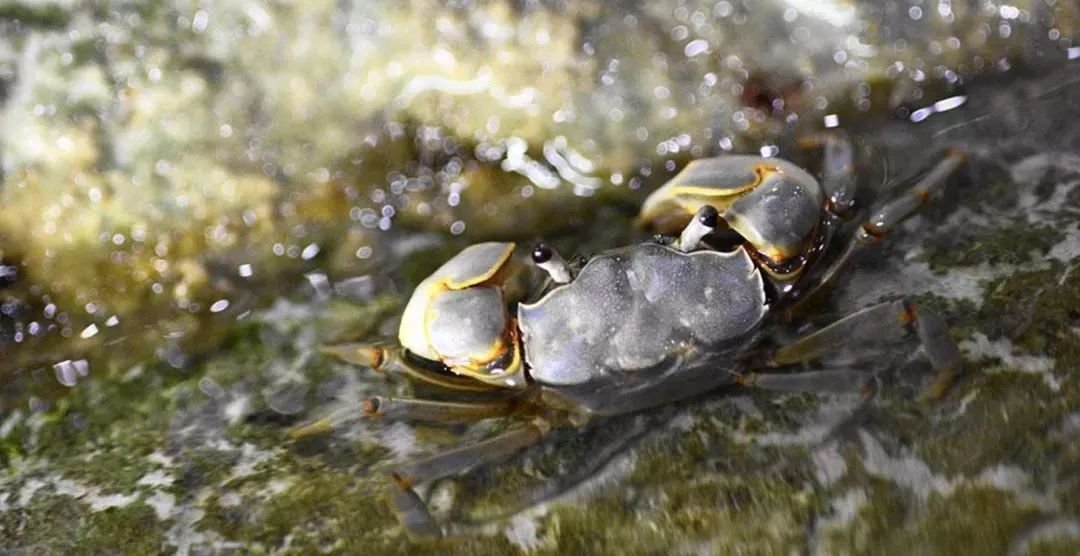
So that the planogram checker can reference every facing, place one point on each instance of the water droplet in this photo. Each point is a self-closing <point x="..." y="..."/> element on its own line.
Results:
<point x="921" y="114"/>
<point x="950" y="103"/>
<point x="68" y="371"/>
<point x="309" y="252"/>
<point x="199" y="22"/>
<point x="696" y="47"/>
<point x="89" y="332"/>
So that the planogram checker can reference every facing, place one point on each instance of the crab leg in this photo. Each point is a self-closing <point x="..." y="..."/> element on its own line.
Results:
<point x="833" y="380"/>
<point x="880" y="322"/>
<point x="409" y="409"/>
<point x="412" y="512"/>
<point x="457" y="460"/>
<point x="886" y="218"/>
<point x="391" y="362"/>
<point x="838" y="170"/>
<point x="884" y="321"/>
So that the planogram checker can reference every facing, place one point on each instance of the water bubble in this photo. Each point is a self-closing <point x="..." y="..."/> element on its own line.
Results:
<point x="199" y="22"/>
<point x="68" y="371"/>
<point x="89" y="332"/>
<point x="921" y="114"/>
<point x="310" y="251"/>
<point x="696" y="47"/>
<point x="219" y="306"/>
<point x="950" y="103"/>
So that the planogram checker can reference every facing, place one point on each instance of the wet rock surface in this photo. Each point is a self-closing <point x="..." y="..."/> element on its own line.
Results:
<point x="167" y="448"/>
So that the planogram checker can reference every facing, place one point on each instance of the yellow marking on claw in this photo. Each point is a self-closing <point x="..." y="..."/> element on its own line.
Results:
<point x="760" y="172"/>
<point x="512" y="370"/>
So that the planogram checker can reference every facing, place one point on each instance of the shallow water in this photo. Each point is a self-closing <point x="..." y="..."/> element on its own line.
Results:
<point x="195" y="199"/>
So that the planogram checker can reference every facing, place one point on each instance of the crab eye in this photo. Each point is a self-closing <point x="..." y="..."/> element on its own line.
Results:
<point x="541" y="253"/>
<point x="708" y="215"/>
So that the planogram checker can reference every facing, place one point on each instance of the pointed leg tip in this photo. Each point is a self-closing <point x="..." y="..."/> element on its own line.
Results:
<point x="358" y="354"/>
<point x="371" y="407"/>
<point x="412" y="513"/>
<point x="942" y="384"/>
<point x="320" y="427"/>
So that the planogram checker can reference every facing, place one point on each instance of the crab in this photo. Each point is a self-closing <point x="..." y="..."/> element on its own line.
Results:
<point x="647" y="324"/>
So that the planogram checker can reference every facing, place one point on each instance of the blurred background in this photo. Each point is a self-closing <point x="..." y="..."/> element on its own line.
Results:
<point x="194" y="196"/>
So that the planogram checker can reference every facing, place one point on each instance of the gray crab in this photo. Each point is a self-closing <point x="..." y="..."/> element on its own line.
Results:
<point x="647" y="324"/>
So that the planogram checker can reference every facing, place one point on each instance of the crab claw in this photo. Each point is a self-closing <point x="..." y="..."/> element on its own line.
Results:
<point x="458" y="317"/>
<point x="772" y="203"/>
<point x="551" y="262"/>
<point x="703" y="222"/>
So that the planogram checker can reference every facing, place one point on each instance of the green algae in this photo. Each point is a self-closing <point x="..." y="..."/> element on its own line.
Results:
<point x="133" y="529"/>
<point x="1015" y="243"/>
<point x="1055" y="547"/>
<point x="979" y="520"/>
<point x="53" y="524"/>
<point x="970" y="518"/>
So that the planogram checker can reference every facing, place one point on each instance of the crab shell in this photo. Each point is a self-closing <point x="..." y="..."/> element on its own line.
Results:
<point x="634" y="309"/>
<point x="771" y="202"/>
<point x="457" y="316"/>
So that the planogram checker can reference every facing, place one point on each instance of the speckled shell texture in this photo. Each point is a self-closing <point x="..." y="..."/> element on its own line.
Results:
<point x="635" y="308"/>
